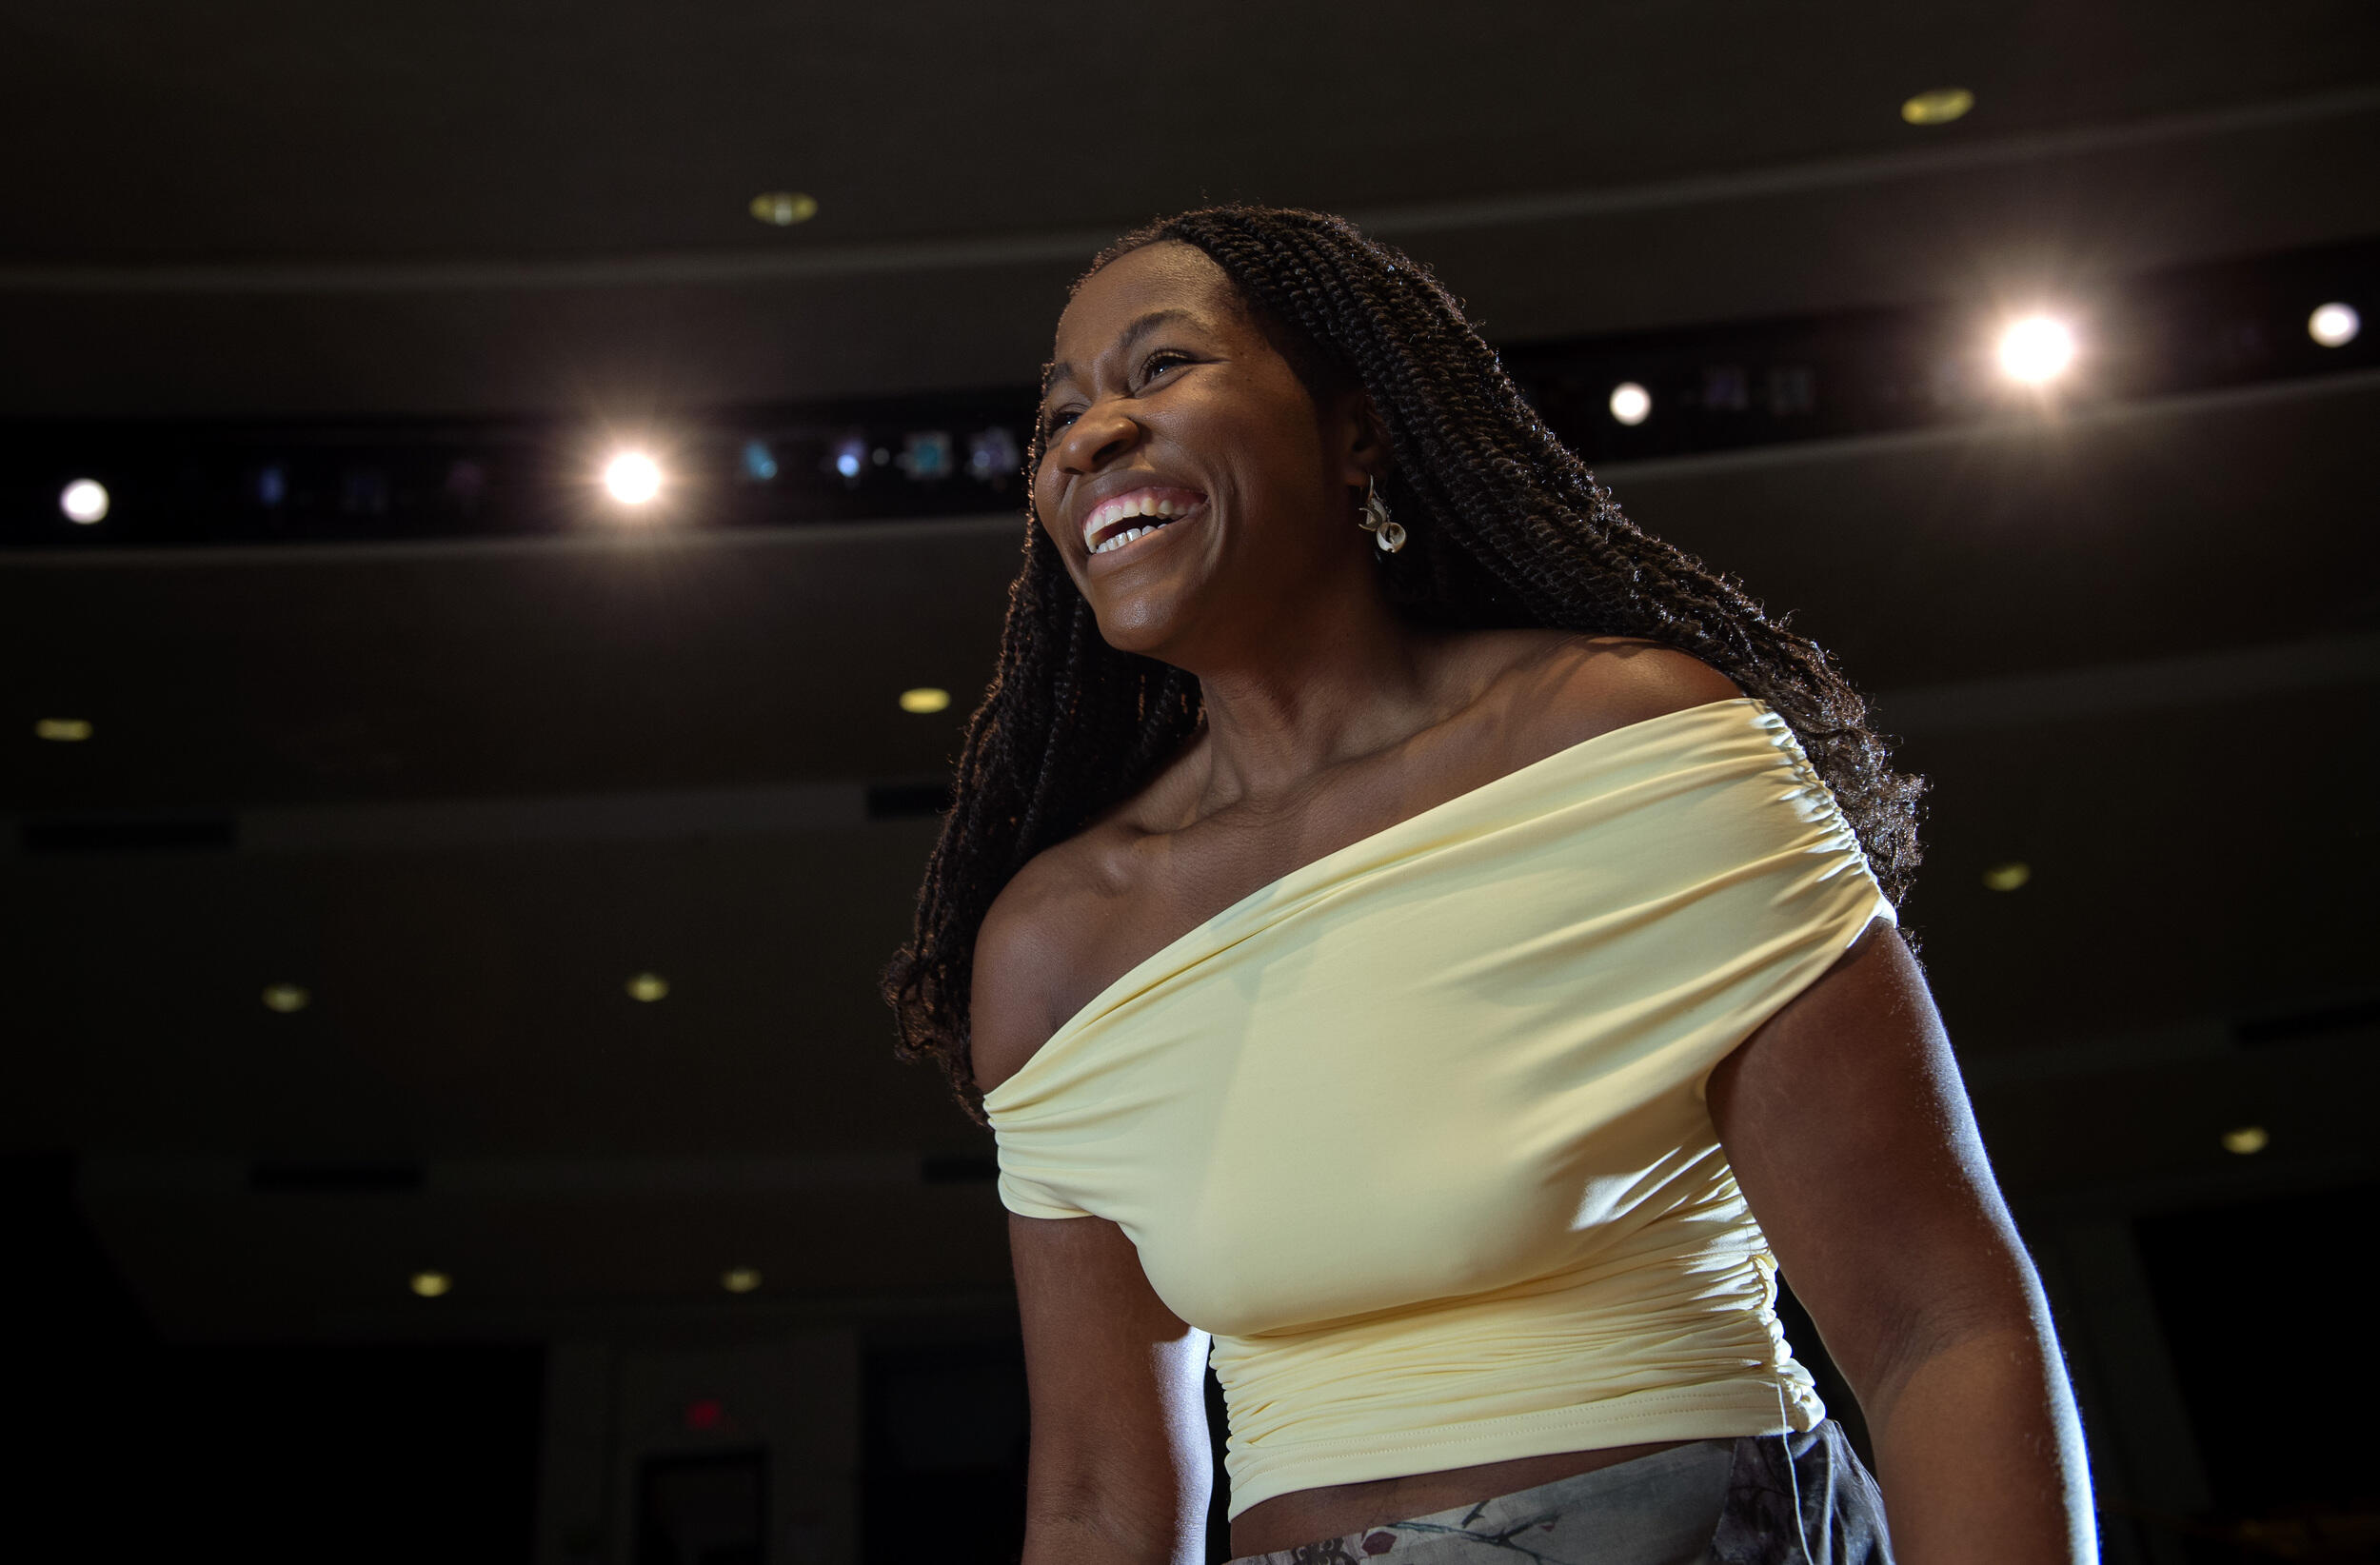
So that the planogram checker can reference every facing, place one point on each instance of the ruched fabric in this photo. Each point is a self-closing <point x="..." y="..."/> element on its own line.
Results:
<point x="1418" y="1131"/>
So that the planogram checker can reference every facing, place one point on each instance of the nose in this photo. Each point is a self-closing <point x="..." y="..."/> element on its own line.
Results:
<point x="1099" y="435"/>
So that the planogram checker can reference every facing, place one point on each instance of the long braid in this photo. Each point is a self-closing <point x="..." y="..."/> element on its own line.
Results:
<point x="1506" y="527"/>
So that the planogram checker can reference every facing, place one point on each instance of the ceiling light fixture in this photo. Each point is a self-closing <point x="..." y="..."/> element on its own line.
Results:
<point x="739" y="1280"/>
<point x="784" y="209"/>
<point x="1631" y="404"/>
<point x="2334" y="325"/>
<point x="2246" y="1141"/>
<point x="1938" y="107"/>
<point x="62" y="731"/>
<point x="285" y="998"/>
<point x="648" y="987"/>
<point x="2037" y="351"/>
<point x="85" y="500"/>
<point x="431" y="1285"/>
<point x="925" y="698"/>
<point x="2008" y="877"/>
<point x="633" y="478"/>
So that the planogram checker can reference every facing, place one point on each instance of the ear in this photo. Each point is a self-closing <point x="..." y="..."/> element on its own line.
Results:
<point x="1360" y="437"/>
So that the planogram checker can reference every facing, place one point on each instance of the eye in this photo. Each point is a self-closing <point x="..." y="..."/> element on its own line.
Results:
<point x="1152" y="367"/>
<point x="1159" y="362"/>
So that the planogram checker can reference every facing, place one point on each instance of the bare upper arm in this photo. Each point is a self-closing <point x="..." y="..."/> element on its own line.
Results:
<point x="1852" y="1139"/>
<point x="1118" y="1382"/>
<point x="1119" y="1466"/>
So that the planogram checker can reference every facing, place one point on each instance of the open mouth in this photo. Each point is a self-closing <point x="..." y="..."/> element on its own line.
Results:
<point x="1120" y="523"/>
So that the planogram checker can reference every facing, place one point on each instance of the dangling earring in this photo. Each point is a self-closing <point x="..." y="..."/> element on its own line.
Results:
<point x="1389" y="535"/>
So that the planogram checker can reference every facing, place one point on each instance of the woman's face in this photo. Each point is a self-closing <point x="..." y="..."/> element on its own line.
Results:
<point x="1168" y="409"/>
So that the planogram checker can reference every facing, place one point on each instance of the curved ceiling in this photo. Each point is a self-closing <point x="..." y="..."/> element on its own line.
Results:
<point x="263" y="209"/>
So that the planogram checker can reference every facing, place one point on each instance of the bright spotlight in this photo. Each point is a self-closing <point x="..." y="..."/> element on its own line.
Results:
<point x="2334" y="325"/>
<point x="1631" y="402"/>
<point x="2037" y="350"/>
<point x="84" y="501"/>
<point x="633" y="478"/>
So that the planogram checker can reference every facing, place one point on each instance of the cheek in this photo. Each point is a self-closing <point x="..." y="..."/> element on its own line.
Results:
<point x="1046" y="490"/>
<point x="1260" y="458"/>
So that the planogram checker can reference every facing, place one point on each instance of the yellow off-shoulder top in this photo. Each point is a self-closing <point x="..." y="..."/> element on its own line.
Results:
<point x="1417" y="1132"/>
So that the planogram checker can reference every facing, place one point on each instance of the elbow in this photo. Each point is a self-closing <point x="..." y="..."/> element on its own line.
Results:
<point x="1068" y="1536"/>
<point x="2003" y="1308"/>
<point x="2000" y="1340"/>
<point x="1083" y="1513"/>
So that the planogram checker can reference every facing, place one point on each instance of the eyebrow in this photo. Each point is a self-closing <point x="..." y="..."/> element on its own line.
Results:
<point x="1140" y="326"/>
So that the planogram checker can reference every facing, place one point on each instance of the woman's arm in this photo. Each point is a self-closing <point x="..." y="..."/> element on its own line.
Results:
<point x="1852" y="1139"/>
<point x="1120" y="1467"/>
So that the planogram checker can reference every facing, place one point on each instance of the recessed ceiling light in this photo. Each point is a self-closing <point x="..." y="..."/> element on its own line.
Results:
<point x="2037" y="349"/>
<point x="2334" y="325"/>
<point x="431" y="1285"/>
<point x="285" y="998"/>
<point x="63" y="730"/>
<point x="924" y="698"/>
<point x="84" y="501"/>
<point x="1631" y="402"/>
<point x="2246" y="1141"/>
<point x="648" y="987"/>
<point x="2008" y="877"/>
<point x="1939" y="106"/>
<point x="633" y="478"/>
<point x="739" y="1280"/>
<point x="784" y="209"/>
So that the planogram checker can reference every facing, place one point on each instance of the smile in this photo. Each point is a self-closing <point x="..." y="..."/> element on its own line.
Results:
<point x="1117" y="523"/>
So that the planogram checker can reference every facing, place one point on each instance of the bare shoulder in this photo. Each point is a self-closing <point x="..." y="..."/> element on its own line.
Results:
<point x="1561" y="688"/>
<point x="1046" y="923"/>
<point x="1022" y="943"/>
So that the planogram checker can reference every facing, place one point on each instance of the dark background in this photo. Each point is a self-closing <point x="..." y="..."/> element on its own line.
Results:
<point x="459" y="759"/>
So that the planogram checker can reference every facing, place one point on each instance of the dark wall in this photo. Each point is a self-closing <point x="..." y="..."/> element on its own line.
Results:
<point x="133" y="1446"/>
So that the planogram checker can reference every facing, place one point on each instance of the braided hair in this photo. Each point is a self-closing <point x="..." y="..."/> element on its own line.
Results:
<point x="1506" y="528"/>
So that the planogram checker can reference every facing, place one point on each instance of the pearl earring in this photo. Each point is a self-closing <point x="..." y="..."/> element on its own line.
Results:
<point x="1389" y="535"/>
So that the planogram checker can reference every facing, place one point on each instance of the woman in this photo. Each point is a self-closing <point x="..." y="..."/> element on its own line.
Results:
<point x="1432" y="945"/>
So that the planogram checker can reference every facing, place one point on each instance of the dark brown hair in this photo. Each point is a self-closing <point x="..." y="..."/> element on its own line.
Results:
<point x="1506" y="527"/>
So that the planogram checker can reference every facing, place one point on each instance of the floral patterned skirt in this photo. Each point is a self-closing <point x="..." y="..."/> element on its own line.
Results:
<point x="1764" y="1500"/>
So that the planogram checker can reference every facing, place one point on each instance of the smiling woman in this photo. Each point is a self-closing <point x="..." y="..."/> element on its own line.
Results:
<point x="1442" y="968"/>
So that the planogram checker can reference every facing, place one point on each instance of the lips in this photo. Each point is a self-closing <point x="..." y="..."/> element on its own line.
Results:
<point x="1152" y="505"/>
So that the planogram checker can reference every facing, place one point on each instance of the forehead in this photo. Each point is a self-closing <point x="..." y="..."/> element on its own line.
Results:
<point x="1166" y="275"/>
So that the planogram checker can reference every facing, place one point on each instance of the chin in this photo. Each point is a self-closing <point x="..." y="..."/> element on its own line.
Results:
<point x="1141" y="628"/>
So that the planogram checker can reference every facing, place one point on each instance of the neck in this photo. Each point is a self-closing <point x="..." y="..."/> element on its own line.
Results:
<point x="1341" y="678"/>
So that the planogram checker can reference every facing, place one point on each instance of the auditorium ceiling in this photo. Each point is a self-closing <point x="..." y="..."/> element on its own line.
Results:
<point x="444" y="207"/>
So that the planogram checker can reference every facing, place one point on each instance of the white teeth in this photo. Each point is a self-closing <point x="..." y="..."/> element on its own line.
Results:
<point x="1122" y="539"/>
<point x="1142" y="502"/>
